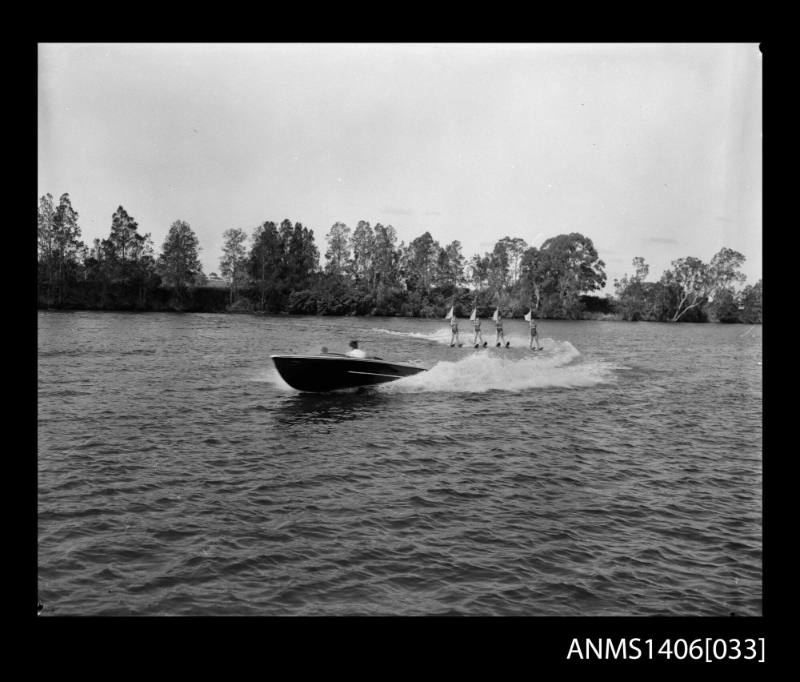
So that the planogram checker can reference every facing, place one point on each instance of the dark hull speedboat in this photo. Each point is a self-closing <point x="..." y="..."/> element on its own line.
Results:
<point x="331" y="371"/>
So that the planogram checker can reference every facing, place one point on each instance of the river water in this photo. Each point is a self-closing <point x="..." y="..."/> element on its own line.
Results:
<point x="617" y="472"/>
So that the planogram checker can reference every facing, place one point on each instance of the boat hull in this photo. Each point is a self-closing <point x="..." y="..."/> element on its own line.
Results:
<point x="320" y="373"/>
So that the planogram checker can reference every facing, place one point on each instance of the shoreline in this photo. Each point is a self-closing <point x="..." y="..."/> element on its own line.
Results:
<point x="586" y="317"/>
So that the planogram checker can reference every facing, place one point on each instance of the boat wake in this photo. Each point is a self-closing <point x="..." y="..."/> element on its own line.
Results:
<point x="269" y="375"/>
<point x="439" y="336"/>
<point x="559" y="365"/>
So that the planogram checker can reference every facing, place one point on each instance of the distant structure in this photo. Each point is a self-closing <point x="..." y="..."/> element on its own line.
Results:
<point x="214" y="280"/>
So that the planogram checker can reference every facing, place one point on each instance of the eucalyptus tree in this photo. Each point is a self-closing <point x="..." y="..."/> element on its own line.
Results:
<point x="179" y="262"/>
<point x="453" y="265"/>
<point x="632" y="292"/>
<point x="478" y="269"/>
<point x="419" y="262"/>
<point x="310" y="253"/>
<point x="45" y="217"/>
<point x="498" y="269"/>
<point x="339" y="249"/>
<point x="142" y="265"/>
<point x="233" y="264"/>
<point x="724" y="270"/>
<point x="46" y="241"/>
<point x="121" y="241"/>
<point x="285" y="232"/>
<point x="441" y="275"/>
<point x="385" y="256"/>
<point x="385" y="266"/>
<point x="302" y="257"/>
<point x="58" y="244"/>
<point x="691" y="280"/>
<point x="514" y="248"/>
<point x="696" y="282"/>
<point x="265" y="262"/>
<point x="67" y="234"/>
<point x="641" y="269"/>
<point x="363" y="252"/>
<point x="568" y="265"/>
<point x="530" y="277"/>
<point x="126" y="255"/>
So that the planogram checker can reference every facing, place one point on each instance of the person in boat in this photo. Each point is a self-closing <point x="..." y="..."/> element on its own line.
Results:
<point x="477" y="341"/>
<point x="498" y="325"/>
<point x="355" y="351"/>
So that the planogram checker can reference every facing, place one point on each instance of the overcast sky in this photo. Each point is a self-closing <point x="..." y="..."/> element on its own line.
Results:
<point x="649" y="150"/>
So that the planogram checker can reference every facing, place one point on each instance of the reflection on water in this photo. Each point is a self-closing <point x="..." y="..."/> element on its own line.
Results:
<point x="337" y="406"/>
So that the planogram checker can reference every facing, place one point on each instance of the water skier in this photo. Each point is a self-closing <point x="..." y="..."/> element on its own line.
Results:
<point x="534" y="333"/>
<point x="476" y="323"/>
<point x="454" y="338"/>
<point x="498" y="325"/>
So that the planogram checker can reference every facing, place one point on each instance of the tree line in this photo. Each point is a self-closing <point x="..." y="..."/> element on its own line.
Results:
<point x="121" y="271"/>
<point x="691" y="291"/>
<point x="276" y="269"/>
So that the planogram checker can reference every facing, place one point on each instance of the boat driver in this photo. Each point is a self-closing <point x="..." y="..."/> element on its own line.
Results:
<point x="355" y="351"/>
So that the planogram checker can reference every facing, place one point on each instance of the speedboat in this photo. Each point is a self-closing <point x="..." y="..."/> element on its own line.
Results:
<point x="332" y="371"/>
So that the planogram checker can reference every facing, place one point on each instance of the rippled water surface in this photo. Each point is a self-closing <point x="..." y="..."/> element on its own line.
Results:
<point x="616" y="472"/>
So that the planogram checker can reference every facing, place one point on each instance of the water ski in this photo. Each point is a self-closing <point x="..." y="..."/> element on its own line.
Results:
<point x="497" y="344"/>
<point x="508" y="344"/>
<point x="484" y="343"/>
<point x="476" y="345"/>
